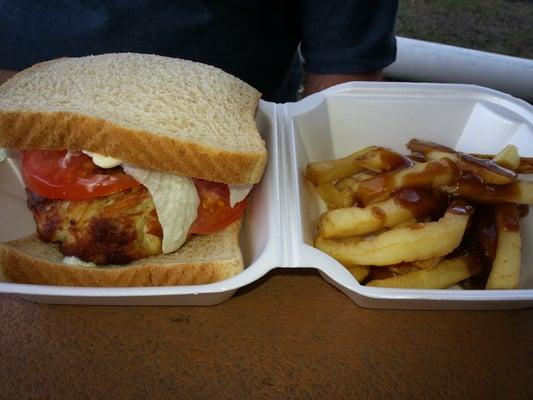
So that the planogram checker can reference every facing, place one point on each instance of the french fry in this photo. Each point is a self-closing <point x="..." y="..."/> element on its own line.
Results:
<point x="348" y="183"/>
<point x="508" y="158"/>
<point x="487" y="170"/>
<point x="430" y="263"/>
<point x="333" y="197"/>
<point x="386" y="239"/>
<point x="381" y="187"/>
<point x="408" y="223"/>
<point x="442" y="276"/>
<point x="345" y="185"/>
<point x="525" y="164"/>
<point x="321" y="243"/>
<point x="332" y="170"/>
<point x="359" y="272"/>
<point x="505" y="272"/>
<point x="381" y="159"/>
<point x="520" y="192"/>
<point x="403" y="268"/>
<point x="418" y="242"/>
<point x="353" y="221"/>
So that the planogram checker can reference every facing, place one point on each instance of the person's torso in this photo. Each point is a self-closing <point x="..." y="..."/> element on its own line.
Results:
<point x="254" y="40"/>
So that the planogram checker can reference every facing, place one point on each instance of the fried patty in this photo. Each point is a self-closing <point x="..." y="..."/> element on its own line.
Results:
<point x="114" y="229"/>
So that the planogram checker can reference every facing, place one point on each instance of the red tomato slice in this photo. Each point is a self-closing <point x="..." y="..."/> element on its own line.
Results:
<point x="73" y="176"/>
<point x="215" y="212"/>
<point x="56" y="175"/>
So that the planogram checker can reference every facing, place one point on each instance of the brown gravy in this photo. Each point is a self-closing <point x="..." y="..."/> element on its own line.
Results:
<point x="394" y="160"/>
<point x="480" y="241"/>
<point x="476" y="164"/>
<point x="470" y="187"/>
<point x="507" y="217"/>
<point x="424" y="146"/>
<point x="460" y="207"/>
<point x="421" y="201"/>
<point x="382" y="186"/>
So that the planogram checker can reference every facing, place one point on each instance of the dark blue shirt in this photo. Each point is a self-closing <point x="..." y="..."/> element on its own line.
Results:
<point x="254" y="40"/>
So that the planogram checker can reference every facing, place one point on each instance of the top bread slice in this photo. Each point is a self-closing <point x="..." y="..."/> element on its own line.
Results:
<point x="156" y="112"/>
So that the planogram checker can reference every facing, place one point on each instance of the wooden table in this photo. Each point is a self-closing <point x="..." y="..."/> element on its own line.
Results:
<point x="290" y="335"/>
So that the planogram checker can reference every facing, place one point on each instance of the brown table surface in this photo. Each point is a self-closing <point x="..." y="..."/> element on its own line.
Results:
<point x="290" y="335"/>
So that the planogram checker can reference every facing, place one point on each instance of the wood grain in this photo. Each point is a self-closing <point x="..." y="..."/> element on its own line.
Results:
<point x="290" y="335"/>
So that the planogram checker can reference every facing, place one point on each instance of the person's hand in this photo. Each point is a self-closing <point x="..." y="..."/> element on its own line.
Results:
<point x="317" y="82"/>
<point x="5" y="75"/>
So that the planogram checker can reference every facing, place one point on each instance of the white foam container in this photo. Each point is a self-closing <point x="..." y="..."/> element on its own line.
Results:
<point x="281" y="218"/>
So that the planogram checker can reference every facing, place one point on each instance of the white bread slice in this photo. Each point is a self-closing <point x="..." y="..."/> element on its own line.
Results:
<point x="203" y="259"/>
<point x="155" y="112"/>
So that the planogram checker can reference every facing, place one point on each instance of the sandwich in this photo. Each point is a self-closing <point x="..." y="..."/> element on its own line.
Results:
<point x="137" y="168"/>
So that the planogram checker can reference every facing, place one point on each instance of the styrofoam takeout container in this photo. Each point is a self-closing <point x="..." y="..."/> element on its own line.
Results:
<point x="281" y="218"/>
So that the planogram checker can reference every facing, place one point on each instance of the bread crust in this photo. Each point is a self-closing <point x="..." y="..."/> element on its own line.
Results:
<point x="203" y="259"/>
<point x="31" y="130"/>
<point x="47" y="106"/>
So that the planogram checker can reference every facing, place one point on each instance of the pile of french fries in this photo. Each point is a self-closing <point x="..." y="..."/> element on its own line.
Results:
<point x="430" y="219"/>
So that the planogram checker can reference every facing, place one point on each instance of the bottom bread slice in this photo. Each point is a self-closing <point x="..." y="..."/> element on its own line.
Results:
<point x="203" y="259"/>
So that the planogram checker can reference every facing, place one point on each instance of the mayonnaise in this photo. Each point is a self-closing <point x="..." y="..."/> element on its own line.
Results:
<point x="103" y="161"/>
<point x="73" y="260"/>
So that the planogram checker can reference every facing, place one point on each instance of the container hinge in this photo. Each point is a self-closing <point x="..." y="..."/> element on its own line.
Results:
<point x="285" y="192"/>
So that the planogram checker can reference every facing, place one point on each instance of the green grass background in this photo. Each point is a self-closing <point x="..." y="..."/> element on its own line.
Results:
<point x="499" y="26"/>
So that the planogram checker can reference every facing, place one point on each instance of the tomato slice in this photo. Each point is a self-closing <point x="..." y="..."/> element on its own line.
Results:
<point x="215" y="212"/>
<point x="56" y="174"/>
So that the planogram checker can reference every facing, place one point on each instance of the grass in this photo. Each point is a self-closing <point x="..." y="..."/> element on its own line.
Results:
<point x="499" y="26"/>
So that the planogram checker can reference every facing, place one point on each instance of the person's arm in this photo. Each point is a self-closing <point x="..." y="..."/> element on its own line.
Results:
<point x="317" y="82"/>
<point x="346" y="40"/>
<point x="5" y="74"/>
